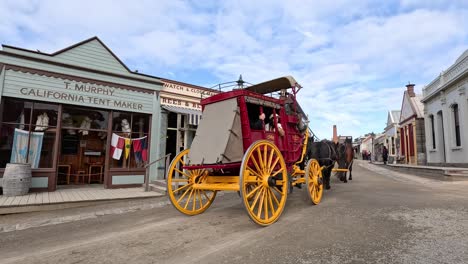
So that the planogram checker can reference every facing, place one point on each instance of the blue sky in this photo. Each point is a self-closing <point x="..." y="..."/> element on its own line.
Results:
<point x="353" y="58"/>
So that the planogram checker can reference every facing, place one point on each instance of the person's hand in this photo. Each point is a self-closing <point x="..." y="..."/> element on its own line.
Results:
<point x="261" y="116"/>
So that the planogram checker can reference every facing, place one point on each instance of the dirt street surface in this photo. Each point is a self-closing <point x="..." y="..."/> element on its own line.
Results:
<point x="379" y="217"/>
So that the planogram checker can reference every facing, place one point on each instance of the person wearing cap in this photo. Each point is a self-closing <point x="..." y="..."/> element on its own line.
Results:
<point x="270" y="126"/>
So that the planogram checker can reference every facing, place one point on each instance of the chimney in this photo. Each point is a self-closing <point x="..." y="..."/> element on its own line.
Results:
<point x="335" y="135"/>
<point x="410" y="89"/>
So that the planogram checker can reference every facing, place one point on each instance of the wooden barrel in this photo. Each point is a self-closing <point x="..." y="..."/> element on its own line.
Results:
<point x="16" y="179"/>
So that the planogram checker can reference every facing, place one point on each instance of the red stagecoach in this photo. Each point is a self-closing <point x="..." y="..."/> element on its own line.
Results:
<point x="232" y="151"/>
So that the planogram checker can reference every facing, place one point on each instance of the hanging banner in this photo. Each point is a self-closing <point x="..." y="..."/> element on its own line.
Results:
<point x="121" y="145"/>
<point x="19" y="153"/>
<point x="140" y="148"/>
<point x="128" y="145"/>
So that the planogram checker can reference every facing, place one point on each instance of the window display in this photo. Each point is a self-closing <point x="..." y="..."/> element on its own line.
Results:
<point x="29" y="133"/>
<point x="42" y="122"/>
<point x="27" y="147"/>
<point x="24" y="141"/>
<point x="83" y="119"/>
<point x="129" y="142"/>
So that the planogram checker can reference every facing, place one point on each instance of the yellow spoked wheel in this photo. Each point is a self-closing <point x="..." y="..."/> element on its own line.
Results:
<point x="314" y="181"/>
<point x="187" y="200"/>
<point x="263" y="182"/>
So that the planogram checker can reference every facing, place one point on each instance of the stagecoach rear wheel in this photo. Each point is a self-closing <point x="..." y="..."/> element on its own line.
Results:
<point x="314" y="181"/>
<point x="187" y="200"/>
<point x="263" y="182"/>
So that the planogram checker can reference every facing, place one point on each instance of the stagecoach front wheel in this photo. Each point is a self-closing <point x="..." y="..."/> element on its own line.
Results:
<point x="187" y="200"/>
<point x="263" y="182"/>
<point x="314" y="181"/>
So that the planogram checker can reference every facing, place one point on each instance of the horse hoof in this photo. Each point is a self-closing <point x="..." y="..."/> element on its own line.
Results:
<point x="345" y="181"/>
<point x="350" y="179"/>
<point x="327" y="187"/>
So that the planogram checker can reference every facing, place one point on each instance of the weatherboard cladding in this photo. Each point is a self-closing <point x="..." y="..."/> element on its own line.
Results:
<point x="91" y="55"/>
<point x="83" y="73"/>
<point x="395" y="115"/>
<point x="418" y="106"/>
<point x="40" y="87"/>
<point x="75" y="78"/>
<point x="406" y="109"/>
<point x="411" y="107"/>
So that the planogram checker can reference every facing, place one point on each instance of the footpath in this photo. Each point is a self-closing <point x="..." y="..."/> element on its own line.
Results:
<point x="61" y="199"/>
<point x="22" y="221"/>
<point x="422" y="175"/>
<point x="75" y="197"/>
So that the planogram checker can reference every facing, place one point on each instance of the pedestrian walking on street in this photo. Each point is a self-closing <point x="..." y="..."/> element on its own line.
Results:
<point x="385" y="155"/>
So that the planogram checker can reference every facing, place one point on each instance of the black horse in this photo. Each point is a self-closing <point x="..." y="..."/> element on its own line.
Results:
<point x="345" y="158"/>
<point x="325" y="152"/>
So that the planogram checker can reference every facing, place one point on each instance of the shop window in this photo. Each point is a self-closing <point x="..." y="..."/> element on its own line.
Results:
<point x="121" y="122"/>
<point x="140" y="125"/>
<point x="402" y="144"/>
<point x="6" y="142"/>
<point x="431" y="118"/>
<point x="16" y="112"/>
<point x="411" y="139"/>
<point x="133" y="128"/>
<point x="84" y="118"/>
<point x="83" y="150"/>
<point x="456" y="123"/>
<point x="172" y="120"/>
<point x="84" y="140"/>
<point x="47" y="151"/>
<point x="28" y="132"/>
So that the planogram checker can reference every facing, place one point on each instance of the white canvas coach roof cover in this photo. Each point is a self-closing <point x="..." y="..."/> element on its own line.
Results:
<point x="219" y="136"/>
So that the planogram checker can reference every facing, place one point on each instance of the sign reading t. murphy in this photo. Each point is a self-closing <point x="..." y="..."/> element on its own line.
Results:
<point x="45" y="88"/>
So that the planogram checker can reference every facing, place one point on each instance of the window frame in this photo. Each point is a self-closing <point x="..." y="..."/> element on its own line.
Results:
<point x="456" y="126"/>
<point x="433" y="133"/>
<point x="31" y="128"/>
<point x="131" y="157"/>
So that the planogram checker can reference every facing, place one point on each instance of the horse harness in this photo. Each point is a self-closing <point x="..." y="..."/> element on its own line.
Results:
<point x="330" y="154"/>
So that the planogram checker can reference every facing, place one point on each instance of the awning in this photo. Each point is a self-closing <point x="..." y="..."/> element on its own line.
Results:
<point x="193" y="116"/>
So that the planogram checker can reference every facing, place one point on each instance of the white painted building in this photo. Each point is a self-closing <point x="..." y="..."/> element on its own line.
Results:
<point x="446" y="115"/>
<point x="392" y="138"/>
<point x="366" y="145"/>
<point x="378" y="144"/>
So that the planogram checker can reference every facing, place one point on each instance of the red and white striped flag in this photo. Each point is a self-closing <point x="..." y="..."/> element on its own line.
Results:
<point x="117" y="146"/>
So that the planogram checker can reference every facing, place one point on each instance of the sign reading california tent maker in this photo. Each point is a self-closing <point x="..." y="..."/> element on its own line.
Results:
<point x="74" y="92"/>
<point x="68" y="96"/>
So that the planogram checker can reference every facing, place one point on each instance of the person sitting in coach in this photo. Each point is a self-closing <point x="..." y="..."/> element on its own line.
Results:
<point x="258" y="124"/>
<point x="270" y="126"/>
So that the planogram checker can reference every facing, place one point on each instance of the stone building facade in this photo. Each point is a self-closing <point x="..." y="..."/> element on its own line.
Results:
<point x="446" y="115"/>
